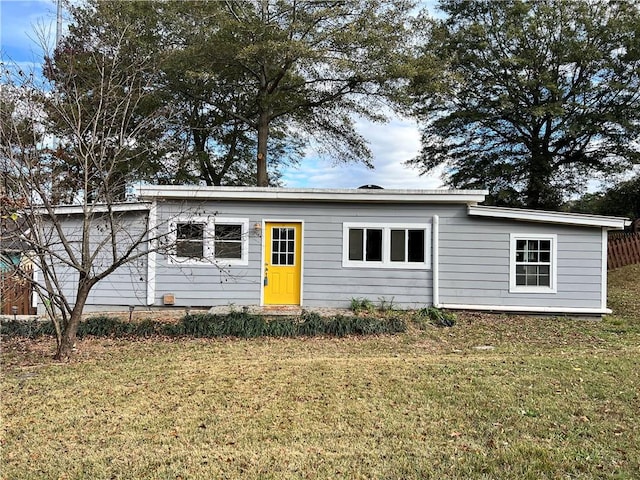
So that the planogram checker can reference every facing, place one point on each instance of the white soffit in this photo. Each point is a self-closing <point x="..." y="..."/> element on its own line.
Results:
<point x="195" y="192"/>
<point x="616" y="223"/>
<point x="98" y="208"/>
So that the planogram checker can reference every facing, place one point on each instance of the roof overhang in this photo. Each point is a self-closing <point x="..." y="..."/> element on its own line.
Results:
<point x="196" y="192"/>
<point x="98" y="208"/>
<point x="579" y="219"/>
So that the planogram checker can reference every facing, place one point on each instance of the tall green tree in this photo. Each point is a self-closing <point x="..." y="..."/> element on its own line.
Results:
<point x="259" y="78"/>
<point x="105" y="62"/>
<point x="623" y="199"/>
<point x="529" y="98"/>
<point x="309" y="64"/>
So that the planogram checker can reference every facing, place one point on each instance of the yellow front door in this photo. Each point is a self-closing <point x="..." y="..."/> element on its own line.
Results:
<point x="283" y="263"/>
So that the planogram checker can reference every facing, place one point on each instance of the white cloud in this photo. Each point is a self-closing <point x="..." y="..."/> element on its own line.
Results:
<point x="391" y="144"/>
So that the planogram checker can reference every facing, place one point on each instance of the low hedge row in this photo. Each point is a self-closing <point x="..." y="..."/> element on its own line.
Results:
<point x="234" y="324"/>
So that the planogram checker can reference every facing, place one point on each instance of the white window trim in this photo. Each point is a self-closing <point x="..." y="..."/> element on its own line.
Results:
<point x="209" y="242"/>
<point x="386" y="246"/>
<point x="553" y="288"/>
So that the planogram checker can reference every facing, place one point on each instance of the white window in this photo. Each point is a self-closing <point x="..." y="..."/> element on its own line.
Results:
<point x="532" y="266"/>
<point x="210" y="240"/>
<point x="386" y="245"/>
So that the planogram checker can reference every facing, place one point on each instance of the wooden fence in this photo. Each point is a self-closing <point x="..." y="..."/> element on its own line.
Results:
<point x="624" y="249"/>
<point x="15" y="292"/>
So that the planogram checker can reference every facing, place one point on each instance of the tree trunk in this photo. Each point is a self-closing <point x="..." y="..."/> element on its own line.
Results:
<point x="263" y="137"/>
<point x="539" y="192"/>
<point x="68" y="340"/>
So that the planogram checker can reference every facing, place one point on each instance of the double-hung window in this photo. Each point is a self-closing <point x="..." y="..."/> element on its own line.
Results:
<point x="386" y="245"/>
<point x="533" y="261"/>
<point x="210" y="239"/>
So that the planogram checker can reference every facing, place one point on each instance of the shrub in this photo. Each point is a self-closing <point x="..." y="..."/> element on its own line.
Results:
<point x="386" y="306"/>
<point x="395" y="325"/>
<point x="311" y="323"/>
<point x="27" y="329"/>
<point x="359" y="305"/>
<point x="437" y="317"/>
<point x="233" y="324"/>
<point x="102" y="326"/>
<point x="281" y="327"/>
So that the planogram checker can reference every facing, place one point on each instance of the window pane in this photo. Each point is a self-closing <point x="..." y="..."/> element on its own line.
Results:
<point x="190" y="249"/>
<point x="228" y="250"/>
<point x="545" y="257"/>
<point x="544" y="280"/>
<point x="190" y="231"/>
<point x="274" y="258"/>
<point x="290" y="259"/>
<point x="374" y="245"/>
<point x="416" y="246"/>
<point x="290" y="246"/>
<point x="532" y="244"/>
<point x="228" y="232"/>
<point x="520" y="245"/>
<point x="521" y="280"/>
<point x="276" y="233"/>
<point x="397" y="246"/>
<point x="545" y="245"/>
<point x="355" y="244"/>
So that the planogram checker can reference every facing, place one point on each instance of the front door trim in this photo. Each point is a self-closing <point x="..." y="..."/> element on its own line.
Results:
<point x="265" y="221"/>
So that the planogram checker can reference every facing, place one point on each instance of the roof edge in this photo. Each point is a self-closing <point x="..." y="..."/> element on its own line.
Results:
<point x="544" y="216"/>
<point x="98" y="208"/>
<point x="188" y="192"/>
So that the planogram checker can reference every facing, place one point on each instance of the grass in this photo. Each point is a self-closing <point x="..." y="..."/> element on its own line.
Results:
<point x="542" y="398"/>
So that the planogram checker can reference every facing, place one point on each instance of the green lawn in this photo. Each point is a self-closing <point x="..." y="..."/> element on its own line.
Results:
<point x="553" y="398"/>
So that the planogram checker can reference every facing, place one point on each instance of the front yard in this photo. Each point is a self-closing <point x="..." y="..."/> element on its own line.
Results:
<point x="492" y="397"/>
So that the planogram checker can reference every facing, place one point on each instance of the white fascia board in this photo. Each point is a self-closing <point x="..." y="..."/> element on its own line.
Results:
<point x="196" y="192"/>
<point x="78" y="209"/>
<point x="614" y="223"/>
<point x="526" y="309"/>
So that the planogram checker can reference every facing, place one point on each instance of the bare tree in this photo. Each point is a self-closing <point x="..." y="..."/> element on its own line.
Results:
<point x="63" y="143"/>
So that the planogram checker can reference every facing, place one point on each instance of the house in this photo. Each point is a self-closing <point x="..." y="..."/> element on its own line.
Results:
<point x="247" y="246"/>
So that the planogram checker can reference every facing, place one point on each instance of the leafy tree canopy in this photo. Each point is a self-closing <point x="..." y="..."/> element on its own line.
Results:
<point x="621" y="200"/>
<point x="247" y="78"/>
<point x="530" y="99"/>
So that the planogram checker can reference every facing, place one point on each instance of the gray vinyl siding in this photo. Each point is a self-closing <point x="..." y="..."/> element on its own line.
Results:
<point x="325" y="281"/>
<point x="474" y="264"/>
<point x="126" y="285"/>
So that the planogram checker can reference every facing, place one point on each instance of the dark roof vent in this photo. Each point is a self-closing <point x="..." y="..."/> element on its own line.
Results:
<point x="371" y="187"/>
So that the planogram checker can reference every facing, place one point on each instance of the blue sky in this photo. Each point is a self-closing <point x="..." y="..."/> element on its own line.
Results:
<point x="24" y="22"/>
